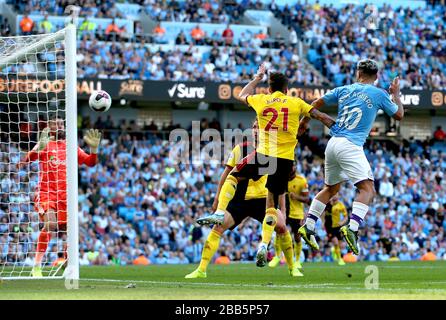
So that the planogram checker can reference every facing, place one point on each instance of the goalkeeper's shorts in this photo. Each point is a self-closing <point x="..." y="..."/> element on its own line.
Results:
<point x="44" y="202"/>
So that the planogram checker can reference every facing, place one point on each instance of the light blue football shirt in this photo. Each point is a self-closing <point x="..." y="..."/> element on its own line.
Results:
<point x="358" y="105"/>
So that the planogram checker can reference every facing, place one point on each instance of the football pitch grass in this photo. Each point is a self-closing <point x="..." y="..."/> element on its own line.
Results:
<point x="397" y="280"/>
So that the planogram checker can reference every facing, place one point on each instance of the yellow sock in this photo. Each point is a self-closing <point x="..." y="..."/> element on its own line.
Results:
<point x="209" y="249"/>
<point x="268" y="225"/>
<point x="297" y="250"/>
<point x="277" y="247"/>
<point x="337" y="251"/>
<point x="287" y="247"/>
<point x="227" y="192"/>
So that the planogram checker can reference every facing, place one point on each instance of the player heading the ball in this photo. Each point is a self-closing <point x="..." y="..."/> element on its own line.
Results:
<point x="278" y="118"/>
<point x="358" y="105"/>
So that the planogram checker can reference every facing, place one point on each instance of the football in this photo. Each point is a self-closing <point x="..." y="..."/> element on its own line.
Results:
<point x="100" y="101"/>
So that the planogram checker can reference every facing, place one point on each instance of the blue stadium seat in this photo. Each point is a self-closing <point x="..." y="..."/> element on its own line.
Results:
<point x="130" y="10"/>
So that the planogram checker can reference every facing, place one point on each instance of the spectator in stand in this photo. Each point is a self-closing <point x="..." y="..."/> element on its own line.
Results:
<point x="113" y="32"/>
<point x="26" y="25"/>
<point x="292" y="38"/>
<point x="181" y="38"/>
<point x="386" y="187"/>
<point x="5" y="28"/>
<point x="152" y="126"/>
<point x="223" y="258"/>
<point x="198" y="35"/>
<point x="87" y="27"/>
<point x="261" y="35"/>
<point x="228" y="35"/>
<point x="159" y="34"/>
<point x="45" y="25"/>
<point x="141" y="260"/>
<point x="439" y="134"/>
<point x="429" y="256"/>
<point x="279" y="40"/>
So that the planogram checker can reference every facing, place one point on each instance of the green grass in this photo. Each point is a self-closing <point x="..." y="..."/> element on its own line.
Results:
<point x="397" y="280"/>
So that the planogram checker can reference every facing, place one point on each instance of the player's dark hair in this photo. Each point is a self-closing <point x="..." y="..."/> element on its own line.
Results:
<point x="54" y="116"/>
<point x="277" y="82"/>
<point x="368" y="67"/>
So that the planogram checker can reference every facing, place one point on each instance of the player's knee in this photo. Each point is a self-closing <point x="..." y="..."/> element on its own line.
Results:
<point x="280" y="227"/>
<point x="271" y="219"/>
<point x="367" y="188"/>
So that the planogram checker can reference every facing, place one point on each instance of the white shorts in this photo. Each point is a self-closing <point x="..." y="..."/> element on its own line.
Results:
<point x="345" y="160"/>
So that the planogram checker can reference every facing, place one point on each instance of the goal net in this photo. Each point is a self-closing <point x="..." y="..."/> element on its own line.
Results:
<point x="38" y="186"/>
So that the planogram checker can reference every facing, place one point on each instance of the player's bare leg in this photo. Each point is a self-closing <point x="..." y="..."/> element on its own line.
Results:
<point x="316" y="210"/>
<point x="50" y="225"/>
<point x="366" y="192"/>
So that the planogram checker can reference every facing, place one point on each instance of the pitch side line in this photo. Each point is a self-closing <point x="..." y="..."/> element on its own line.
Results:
<point x="333" y="286"/>
<point x="215" y="284"/>
<point x="358" y="266"/>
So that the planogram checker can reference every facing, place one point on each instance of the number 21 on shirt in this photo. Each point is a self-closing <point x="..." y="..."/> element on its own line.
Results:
<point x="274" y="115"/>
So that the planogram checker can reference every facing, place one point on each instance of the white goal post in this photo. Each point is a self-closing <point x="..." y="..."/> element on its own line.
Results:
<point x="38" y="76"/>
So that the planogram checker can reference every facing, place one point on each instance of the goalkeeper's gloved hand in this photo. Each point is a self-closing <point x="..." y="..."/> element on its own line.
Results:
<point x="44" y="138"/>
<point x="93" y="138"/>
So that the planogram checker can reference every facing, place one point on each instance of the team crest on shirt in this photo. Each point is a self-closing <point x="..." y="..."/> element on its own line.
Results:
<point x="54" y="162"/>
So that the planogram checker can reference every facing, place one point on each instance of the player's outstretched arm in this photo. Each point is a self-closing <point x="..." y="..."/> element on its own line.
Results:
<point x="322" y="117"/>
<point x="249" y="88"/>
<point x="394" y="90"/>
<point x="93" y="139"/>
<point x="303" y="125"/>
<point x="41" y="144"/>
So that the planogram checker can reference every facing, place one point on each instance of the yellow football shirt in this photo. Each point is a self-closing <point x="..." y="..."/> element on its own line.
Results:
<point x="278" y="116"/>
<point x="337" y="210"/>
<point x="297" y="185"/>
<point x="256" y="189"/>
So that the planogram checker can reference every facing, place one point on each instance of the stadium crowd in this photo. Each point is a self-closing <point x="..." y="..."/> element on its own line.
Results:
<point x="235" y="64"/>
<point x="138" y="207"/>
<point x="406" y="42"/>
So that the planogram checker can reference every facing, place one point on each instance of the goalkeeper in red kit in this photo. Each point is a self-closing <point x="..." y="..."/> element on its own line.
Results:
<point x="51" y="194"/>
